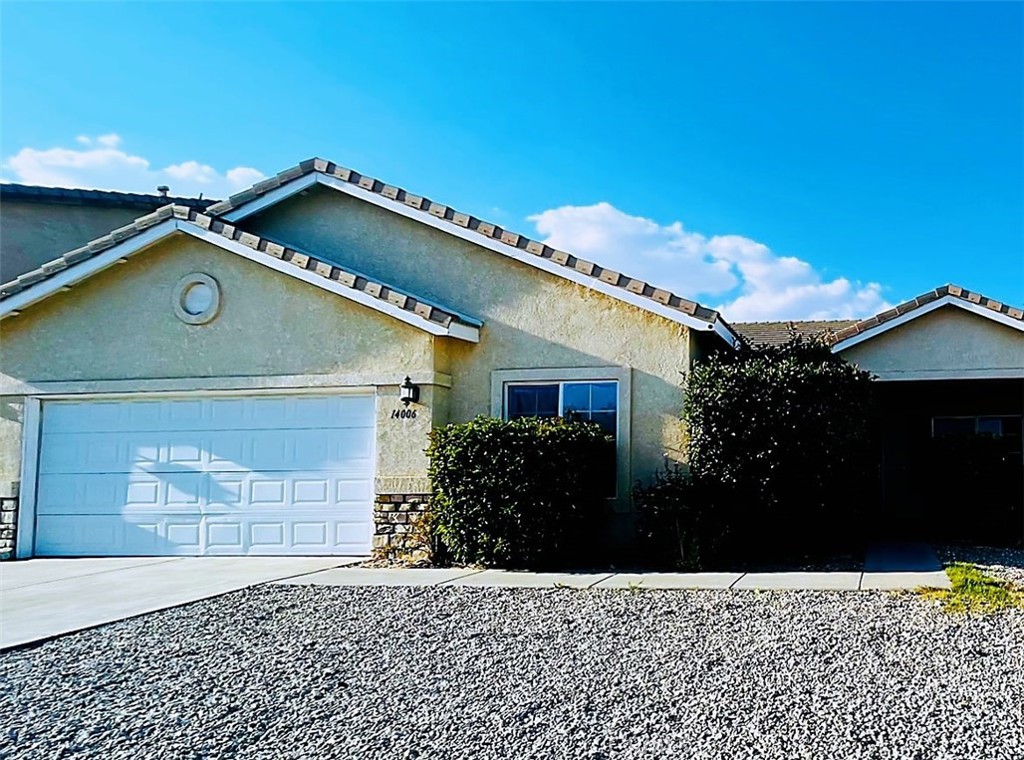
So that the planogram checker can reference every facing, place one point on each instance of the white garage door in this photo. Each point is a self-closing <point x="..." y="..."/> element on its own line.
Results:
<point x="224" y="475"/>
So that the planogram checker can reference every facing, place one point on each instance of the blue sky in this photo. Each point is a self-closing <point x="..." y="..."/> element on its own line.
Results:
<point x="774" y="160"/>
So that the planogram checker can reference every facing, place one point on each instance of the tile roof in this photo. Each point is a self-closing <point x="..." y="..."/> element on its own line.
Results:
<point x="486" y="229"/>
<point x="73" y="196"/>
<point x="954" y="291"/>
<point x="778" y="333"/>
<point x="328" y="270"/>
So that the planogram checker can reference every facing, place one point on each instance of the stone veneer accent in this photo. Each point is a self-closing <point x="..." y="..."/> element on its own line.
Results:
<point x="8" y="525"/>
<point x="395" y="517"/>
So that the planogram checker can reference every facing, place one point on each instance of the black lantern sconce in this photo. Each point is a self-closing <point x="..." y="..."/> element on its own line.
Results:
<point x="408" y="393"/>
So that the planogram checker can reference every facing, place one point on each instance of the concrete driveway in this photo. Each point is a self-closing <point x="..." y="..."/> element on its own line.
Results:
<point x="43" y="598"/>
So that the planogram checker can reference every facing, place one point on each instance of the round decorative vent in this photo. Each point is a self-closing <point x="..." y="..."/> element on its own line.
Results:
<point x="196" y="299"/>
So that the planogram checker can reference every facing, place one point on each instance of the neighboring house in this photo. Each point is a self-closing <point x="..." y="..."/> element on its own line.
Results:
<point x="39" y="222"/>
<point x="949" y="367"/>
<point x="231" y="381"/>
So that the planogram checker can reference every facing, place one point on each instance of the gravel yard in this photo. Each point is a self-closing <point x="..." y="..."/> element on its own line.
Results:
<point x="289" y="672"/>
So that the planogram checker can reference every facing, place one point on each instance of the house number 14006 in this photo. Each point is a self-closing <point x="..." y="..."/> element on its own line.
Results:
<point x="403" y="414"/>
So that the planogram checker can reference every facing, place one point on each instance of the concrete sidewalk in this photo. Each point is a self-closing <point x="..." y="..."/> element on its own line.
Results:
<point x="789" y="581"/>
<point x="43" y="598"/>
<point x="887" y="567"/>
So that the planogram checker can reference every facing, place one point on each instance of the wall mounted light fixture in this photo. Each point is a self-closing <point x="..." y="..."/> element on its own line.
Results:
<point x="408" y="393"/>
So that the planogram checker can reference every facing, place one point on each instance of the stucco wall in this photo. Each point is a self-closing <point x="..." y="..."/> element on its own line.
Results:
<point x="946" y="342"/>
<point x="119" y="324"/>
<point x="531" y="319"/>
<point x="33" y="233"/>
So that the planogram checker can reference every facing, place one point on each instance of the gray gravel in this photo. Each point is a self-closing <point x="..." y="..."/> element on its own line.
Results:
<point x="289" y="672"/>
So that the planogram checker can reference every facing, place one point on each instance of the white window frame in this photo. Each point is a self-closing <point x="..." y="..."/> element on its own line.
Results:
<point x="502" y="378"/>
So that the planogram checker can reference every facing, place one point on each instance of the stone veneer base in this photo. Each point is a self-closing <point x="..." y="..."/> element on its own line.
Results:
<point x="395" y="518"/>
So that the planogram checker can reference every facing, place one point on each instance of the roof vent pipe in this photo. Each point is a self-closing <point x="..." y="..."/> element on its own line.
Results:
<point x="163" y="190"/>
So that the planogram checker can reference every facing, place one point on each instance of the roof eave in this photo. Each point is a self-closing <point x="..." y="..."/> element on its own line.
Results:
<point x="244" y="205"/>
<point x="946" y="300"/>
<point x="15" y="303"/>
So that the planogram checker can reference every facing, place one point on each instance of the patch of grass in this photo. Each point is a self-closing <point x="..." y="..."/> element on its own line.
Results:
<point x="975" y="592"/>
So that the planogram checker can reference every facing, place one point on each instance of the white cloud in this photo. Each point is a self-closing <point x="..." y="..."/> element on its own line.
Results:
<point x="746" y="279"/>
<point x="101" y="164"/>
<point x="244" y="176"/>
<point x="192" y="171"/>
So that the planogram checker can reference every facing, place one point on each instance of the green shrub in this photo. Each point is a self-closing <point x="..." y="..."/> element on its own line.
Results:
<point x="678" y="527"/>
<point x="780" y="439"/>
<point x="518" y="493"/>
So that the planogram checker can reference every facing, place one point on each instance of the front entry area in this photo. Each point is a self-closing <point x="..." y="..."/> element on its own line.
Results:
<point x="952" y="466"/>
<point x="206" y="475"/>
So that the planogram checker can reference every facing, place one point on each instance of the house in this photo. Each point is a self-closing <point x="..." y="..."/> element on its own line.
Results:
<point x="39" y="222"/>
<point x="228" y="381"/>
<point x="260" y="376"/>
<point x="949" y="369"/>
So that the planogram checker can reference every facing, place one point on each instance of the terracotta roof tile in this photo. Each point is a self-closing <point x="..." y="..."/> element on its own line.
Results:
<point x="466" y="221"/>
<point x="299" y="259"/>
<point x="777" y="333"/>
<point x="925" y="298"/>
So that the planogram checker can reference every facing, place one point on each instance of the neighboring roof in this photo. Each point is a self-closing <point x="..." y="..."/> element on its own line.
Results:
<point x="80" y="263"/>
<point x="778" y="333"/>
<point x="317" y="170"/>
<point x="947" y="295"/>
<point x="72" y="196"/>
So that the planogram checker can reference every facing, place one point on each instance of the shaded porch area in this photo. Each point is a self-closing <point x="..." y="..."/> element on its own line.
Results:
<point x="951" y="463"/>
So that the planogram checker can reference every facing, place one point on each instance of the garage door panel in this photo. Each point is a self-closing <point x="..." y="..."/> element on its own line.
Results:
<point x="123" y="490"/>
<point x="84" y="535"/>
<point x="215" y="451"/>
<point x="104" y="493"/>
<point x="204" y="414"/>
<point x="159" y="535"/>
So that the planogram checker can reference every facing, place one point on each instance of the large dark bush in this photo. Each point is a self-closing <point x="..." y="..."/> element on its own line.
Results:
<point x="678" y="523"/>
<point x="518" y="493"/>
<point x="780" y="441"/>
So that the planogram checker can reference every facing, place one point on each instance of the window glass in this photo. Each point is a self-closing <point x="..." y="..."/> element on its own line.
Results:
<point x="592" y="402"/>
<point x="995" y="427"/>
<point x="532" y="401"/>
<point x="944" y="427"/>
<point x="575" y="398"/>
<point x="607" y="421"/>
<point x="990" y="426"/>
<point x="604" y="397"/>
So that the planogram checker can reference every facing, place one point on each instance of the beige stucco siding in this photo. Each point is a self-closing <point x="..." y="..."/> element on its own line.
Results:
<point x="119" y="325"/>
<point x="948" y="342"/>
<point x="531" y="318"/>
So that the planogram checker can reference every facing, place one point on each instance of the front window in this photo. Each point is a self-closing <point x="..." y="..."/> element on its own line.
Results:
<point x="591" y="401"/>
<point x="990" y="427"/>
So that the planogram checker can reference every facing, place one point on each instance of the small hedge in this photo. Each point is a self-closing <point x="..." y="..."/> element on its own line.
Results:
<point x="679" y="524"/>
<point x="518" y="493"/>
